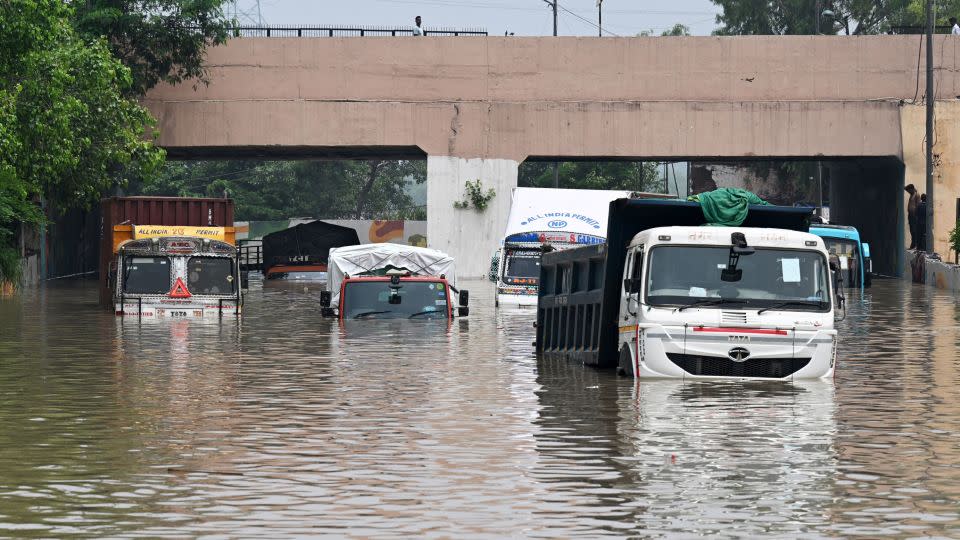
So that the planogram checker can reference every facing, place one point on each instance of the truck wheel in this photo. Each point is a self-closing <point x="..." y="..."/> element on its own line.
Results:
<point x="625" y="366"/>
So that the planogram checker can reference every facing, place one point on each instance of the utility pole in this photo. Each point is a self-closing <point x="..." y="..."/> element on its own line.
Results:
<point x="553" y="4"/>
<point x="931" y="98"/>
<point x="816" y="17"/>
<point x="556" y="165"/>
<point x="600" y="18"/>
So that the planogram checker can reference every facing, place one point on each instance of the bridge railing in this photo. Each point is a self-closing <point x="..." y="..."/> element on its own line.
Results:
<point x="348" y="31"/>
<point x="903" y="29"/>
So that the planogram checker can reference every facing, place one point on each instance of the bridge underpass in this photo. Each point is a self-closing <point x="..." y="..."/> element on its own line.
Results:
<point x="478" y="107"/>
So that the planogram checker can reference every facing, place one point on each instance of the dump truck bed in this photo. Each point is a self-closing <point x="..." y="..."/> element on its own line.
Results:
<point x="579" y="298"/>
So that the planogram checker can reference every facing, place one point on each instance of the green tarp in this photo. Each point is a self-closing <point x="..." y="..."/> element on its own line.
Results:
<point x="726" y="207"/>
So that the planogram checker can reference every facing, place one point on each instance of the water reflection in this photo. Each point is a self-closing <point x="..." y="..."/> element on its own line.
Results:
<point x="288" y="424"/>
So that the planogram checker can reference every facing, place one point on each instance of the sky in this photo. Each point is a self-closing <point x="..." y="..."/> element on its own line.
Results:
<point x="522" y="17"/>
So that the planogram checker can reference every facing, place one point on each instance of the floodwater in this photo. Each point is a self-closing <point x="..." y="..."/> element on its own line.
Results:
<point x="285" y="424"/>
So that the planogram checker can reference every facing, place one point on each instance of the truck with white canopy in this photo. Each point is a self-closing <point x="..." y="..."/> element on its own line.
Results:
<point x="391" y="281"/>
<point x="551" y="219"/>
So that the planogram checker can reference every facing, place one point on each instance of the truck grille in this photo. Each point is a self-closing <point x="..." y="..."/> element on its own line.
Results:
<point x="718" y="366"/>
<point x="733" y="317"/>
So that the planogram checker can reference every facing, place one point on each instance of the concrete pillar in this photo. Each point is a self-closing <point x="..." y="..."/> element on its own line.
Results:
<point x="469" y="236"/>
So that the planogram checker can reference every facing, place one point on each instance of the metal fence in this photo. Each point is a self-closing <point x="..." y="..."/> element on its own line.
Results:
<point x="347" y="31"/>
<point x="919" y="29"/>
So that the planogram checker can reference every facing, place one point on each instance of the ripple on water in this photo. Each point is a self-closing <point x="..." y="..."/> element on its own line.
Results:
<point x="299" y="426"/>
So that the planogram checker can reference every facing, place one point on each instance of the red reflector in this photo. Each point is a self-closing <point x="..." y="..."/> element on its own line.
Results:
<point x="179" y="290"/>
<point x="765" y="331"/>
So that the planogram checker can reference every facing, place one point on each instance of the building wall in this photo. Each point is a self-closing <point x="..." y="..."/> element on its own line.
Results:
<point x="946" y="166"/>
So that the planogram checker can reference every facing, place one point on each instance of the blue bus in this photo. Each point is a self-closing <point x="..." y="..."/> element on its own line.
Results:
<point x="844" y="242"/>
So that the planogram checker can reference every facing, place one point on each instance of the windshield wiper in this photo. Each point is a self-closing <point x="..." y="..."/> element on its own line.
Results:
<point x="793" y="303"/>
<point x="424" y="313"/>
<point x="712" y="302"/>
<point x="366" y="313"/>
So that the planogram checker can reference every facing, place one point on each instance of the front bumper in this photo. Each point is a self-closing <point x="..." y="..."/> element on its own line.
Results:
<point x="193" y="310"/>
<point x="517" y="300"/>
<point x="734" y="353"/>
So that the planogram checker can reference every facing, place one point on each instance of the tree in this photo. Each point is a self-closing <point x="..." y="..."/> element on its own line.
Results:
<point x="797" y="17"/>
<point x="66" y="129"/>
<point x="677" y="30"/>
<point x="625" y="175"/>
<point x="159" y="40"/>
<point x="277" y="190"/>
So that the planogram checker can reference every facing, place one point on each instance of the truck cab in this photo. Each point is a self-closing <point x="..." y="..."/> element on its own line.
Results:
<point x="392" y="281"/>
<point x="854" y="255"/>
<point x="194" y="273"/>
<point x="722" y="302"/>
<point x="399" y="295"/>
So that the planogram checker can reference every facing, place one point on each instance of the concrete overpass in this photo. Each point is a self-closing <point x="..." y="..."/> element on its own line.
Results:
<point x="478" y="107"/>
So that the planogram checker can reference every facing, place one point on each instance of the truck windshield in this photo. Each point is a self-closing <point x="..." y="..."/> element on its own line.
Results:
<point x="522" y="265"/>
<point x="683" y="275"/>
<point x="845" y="250"/>
<point x="210" y="275"/>
<point x="146" y="275"/>
<point x="417" y="300"/>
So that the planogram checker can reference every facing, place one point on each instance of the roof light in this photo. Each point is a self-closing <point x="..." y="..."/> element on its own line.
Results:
<point x="663" y="238"/>
<point x="811" y="243"/>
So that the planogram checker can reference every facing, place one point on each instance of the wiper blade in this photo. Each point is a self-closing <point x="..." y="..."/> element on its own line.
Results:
<point x="425" y="313"/>
<point x="712" y="302"/>
<point x="367" y="313"/>
<point x="793" y="303"/>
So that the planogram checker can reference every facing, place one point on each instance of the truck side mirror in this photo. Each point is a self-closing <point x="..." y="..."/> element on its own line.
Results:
<point x="866" y="250"/>
<point x="244" y="279"/>
<point x="325" y="298"/>
<point x="464" y="298"/>
<point x="631" y="285"/>
<point x="463" y="311"/>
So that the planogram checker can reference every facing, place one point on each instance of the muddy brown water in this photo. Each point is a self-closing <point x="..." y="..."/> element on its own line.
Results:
<point x="285" y="424"/>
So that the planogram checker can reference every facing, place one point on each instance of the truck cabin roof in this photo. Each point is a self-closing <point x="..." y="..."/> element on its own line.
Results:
<point x="713" y="236"/>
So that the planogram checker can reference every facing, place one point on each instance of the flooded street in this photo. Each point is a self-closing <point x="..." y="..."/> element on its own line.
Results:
<point x="289" y="424"/>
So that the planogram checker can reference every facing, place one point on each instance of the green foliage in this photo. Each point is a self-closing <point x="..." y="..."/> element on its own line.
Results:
<point x="955" y="239"/>
<point x="274" y="190"/>
<point x="159" y="40"/>
<point x="677" y="30"/>
<point x="797" y="17"/>
<point x="475" y="195"/>
<point x="626" y="175"/>
<point x="66" y="129"/>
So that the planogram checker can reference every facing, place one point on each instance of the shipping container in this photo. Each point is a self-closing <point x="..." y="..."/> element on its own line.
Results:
<point x="182" y="211"/>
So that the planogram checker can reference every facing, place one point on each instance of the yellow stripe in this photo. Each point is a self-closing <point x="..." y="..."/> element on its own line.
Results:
<point x="631" y="329"/>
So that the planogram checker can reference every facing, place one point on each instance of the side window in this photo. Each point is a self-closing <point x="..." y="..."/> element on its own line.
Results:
<point x="637" y="264"/>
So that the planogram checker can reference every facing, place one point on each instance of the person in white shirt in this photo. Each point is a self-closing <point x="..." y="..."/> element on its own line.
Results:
<point x="956" y="27"/>
<point x="417" y="30"/>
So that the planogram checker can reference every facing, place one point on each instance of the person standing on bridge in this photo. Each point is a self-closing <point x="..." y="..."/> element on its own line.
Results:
<point x="912" y="206"/>
<point x="417" y="30"/>
<point x="955" y="30"/>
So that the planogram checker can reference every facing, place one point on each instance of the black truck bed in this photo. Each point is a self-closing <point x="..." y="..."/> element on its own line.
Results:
<point x="580" y="288"/>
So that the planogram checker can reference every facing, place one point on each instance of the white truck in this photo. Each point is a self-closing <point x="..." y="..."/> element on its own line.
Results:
<point x="540" y="217"/>
<point x="695" y="301"/>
